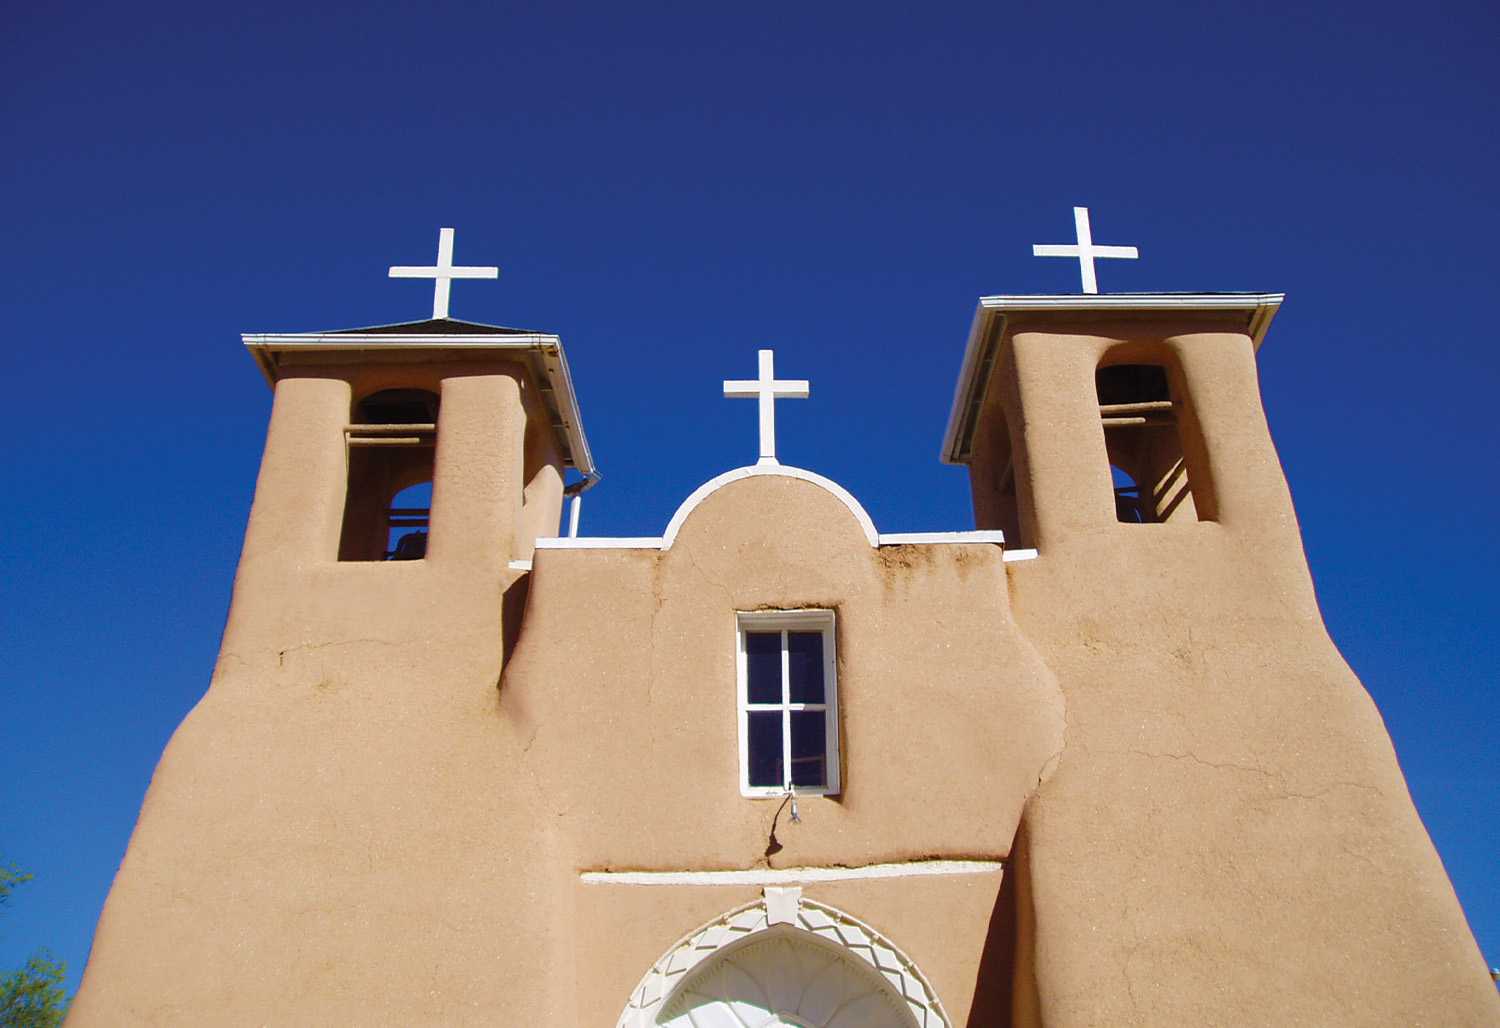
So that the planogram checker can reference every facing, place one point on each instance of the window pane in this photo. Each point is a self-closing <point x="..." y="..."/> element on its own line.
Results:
<point x="763" y="667"/>
<point x="763" y="741"/>
<point x="809" y="748"/>
<point x="804" y="651"/>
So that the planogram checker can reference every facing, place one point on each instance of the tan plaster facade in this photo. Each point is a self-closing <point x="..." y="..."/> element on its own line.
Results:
<point x="457" y="791"/>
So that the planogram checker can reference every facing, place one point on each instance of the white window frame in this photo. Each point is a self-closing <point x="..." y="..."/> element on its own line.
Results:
<point x="813" y="620"/>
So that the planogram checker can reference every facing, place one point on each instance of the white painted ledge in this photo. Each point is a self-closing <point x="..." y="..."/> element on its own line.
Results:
<point x="905" y="538"/>
<point x="988" y="538"/>
<point x="703" y="492"/>
<point x="599" y="543"/>
<point x="793" y="875"/>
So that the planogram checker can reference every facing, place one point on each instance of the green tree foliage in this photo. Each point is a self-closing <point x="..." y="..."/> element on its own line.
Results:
<point x="31" y="996"/>
<point x="9" y="879"/>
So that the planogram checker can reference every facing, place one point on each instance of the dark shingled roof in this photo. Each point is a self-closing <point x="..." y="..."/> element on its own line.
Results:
<point x="434" y="326"/>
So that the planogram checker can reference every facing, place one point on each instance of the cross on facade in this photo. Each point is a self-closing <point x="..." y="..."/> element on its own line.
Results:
<point x="1085" y="251"/>
<point x="444" y="272"/>
<point x="767" y="390"/>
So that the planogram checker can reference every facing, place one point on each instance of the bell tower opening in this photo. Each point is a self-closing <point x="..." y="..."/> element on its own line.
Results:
<point x="1127" y="497"/>
<point x="390" y="442"/>
<point x="410" y="513"/>
<point x="1140" y="410"/>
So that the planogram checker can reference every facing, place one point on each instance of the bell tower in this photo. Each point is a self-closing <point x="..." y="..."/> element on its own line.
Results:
<point x="1076" y="414"/>
<point x="1121" y="440"/>
<point x="350" y="727"/>
<point x="483" y="416"/>
<point x="406" y="468"/>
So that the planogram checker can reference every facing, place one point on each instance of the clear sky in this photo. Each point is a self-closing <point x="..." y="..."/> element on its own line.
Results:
<point x="670" y="187"/>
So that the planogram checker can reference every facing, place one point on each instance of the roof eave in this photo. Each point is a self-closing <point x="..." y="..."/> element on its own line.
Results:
<point x="542" y="352"/>
<point x="988" y="327"/>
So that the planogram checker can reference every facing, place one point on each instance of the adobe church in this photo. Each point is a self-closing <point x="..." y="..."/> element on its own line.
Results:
<point x="1094" y="764"/>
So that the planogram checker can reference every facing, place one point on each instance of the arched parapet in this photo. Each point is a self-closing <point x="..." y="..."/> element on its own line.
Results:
<point x="713" y="485"/>
<point x="785" y="961"/>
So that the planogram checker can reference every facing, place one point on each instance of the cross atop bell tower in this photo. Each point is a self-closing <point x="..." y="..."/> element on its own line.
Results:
<point x="1084" y="250"/>
<point x="443" y="273"/>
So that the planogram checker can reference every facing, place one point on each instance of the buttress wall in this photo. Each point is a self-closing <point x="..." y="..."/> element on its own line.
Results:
<point x="1228" y="837"/>
<point x="331" y="836"/>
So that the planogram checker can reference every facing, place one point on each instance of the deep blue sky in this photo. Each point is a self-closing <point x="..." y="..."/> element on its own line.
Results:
<point x="670" y="187"/>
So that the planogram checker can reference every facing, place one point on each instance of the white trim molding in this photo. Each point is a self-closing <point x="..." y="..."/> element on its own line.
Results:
<point x="788" y="913"/>
<point x="994" y="536"/>
<point x="713" y="485"/>
<point x="786" y="712"/>
<point x="599" y="543"/>
<point x="541" y="352"/>
<point x="794" y="875"/>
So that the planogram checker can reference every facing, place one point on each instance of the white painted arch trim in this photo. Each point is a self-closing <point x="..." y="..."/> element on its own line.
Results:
<point x="713" y="485"/>
<point x="831" y="926"/>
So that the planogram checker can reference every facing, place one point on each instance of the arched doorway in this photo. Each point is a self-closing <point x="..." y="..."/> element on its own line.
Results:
<point x="814" y="967"/>
<point x="785" y="977"/>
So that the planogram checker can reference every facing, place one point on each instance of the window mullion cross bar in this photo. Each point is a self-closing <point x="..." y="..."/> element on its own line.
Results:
<point x="786" y="712"/>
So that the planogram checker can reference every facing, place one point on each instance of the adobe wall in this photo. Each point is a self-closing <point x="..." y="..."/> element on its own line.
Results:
<point x="359" y="825"/>
<point x="341" y="832"/>
<point x="1228" y="837"/>
<point x="623" y="686"/>
<point x="364" y="823"/>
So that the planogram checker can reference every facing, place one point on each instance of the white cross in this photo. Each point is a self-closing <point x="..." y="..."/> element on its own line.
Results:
<point x="767" y="390"/>
<point x="1085" y="251"/>
<point x="444" y="272"/>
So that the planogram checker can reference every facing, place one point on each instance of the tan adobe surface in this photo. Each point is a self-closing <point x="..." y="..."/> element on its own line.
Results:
<point x="454" y="791"/>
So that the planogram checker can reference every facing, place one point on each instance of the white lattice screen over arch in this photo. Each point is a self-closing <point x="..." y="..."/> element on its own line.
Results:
<point x="803" y="964"/>
<point x="785" y="977"/>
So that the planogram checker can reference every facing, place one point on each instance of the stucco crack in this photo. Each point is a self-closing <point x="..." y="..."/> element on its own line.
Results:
<point x="344" y="642"/>
<point x="1130" y="982"/>
<point x="655" y="626"/>
<point x="1052" y="762"/>
<point x="279" y="661"/>
<point x="773" y="845"/>
<point x="1336" y="785"/>
<point x="1228" y="766"/>
<point x="1135" y="942"/>
<point x="1263" y="773"/>
<point x="717" y="583"/>
<point x="1362" y="858"/>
